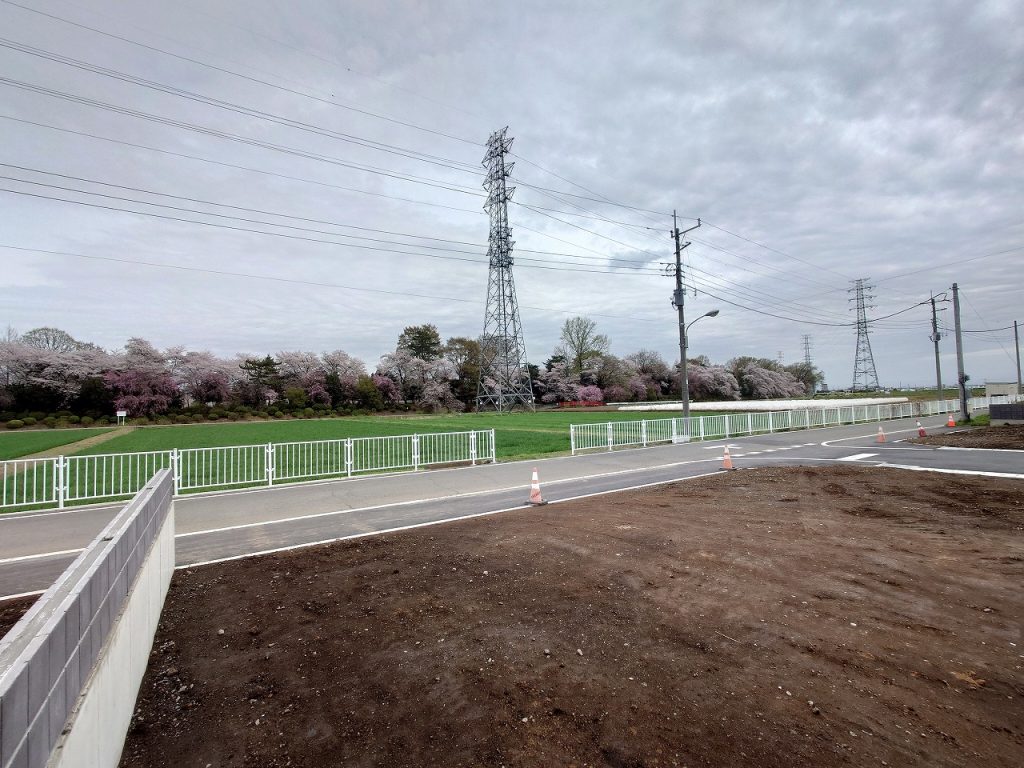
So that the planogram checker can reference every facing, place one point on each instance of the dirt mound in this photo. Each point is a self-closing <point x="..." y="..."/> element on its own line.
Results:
<point x="756" y="618"/>
<point x="1010" y="436"/>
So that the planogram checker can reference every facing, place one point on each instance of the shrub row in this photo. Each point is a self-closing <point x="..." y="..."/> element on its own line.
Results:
<point x="19" y="421"/>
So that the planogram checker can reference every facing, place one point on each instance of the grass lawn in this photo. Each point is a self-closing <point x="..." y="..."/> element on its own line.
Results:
<point x="16" y="443"/>
<point x="517" y="434"/>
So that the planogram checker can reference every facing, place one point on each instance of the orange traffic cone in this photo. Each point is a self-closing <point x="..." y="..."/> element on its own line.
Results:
<point x="881" y="434"/>
<point x="727" y="460"/>
<point x="920" y="430"/>
<point x="535" y="497"/>
<point x="951" y="422"/>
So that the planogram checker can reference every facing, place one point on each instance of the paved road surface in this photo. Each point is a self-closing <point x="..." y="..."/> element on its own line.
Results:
<point x="36" y="547"/>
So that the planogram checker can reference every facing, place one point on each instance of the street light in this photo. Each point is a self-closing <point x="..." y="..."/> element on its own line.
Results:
<point x="686" y="344"/>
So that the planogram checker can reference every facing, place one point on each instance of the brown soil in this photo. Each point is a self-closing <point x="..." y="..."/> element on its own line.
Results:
<point x="11" y="611"/>
<point x="769" y="617"/>
<point x="1009" y="436"/>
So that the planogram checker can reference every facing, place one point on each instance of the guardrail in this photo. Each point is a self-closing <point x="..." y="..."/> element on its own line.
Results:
<point x="49" y="660"/>
<point x="628" y="434"/>
<point x="63" y="480"/>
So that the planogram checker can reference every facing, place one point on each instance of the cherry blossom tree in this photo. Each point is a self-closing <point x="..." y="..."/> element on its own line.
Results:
<point x="556" y="384"/>
<point x="141" y="381"/>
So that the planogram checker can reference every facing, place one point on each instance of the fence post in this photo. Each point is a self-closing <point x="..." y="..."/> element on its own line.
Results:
<point x="750" y="424"/>
<point x="771" y="422"/>
<point x="807" y="418"/>
<point x="673" y="431"/>
<point x="176" y="471"/>
<point x="700" y="426"/>
<point x="643" y="432"/>
<point x="348" y="456"/>
<point x="572" y="438"/>
<point x="415" y="452"/>
<point x="270" y="463"/>
<point x="494" y="449"/>
<point x="611" y="436"/>
<point x="472" y="448"/>
<point x="58" y="480"/>
<point x="726" y="417"/>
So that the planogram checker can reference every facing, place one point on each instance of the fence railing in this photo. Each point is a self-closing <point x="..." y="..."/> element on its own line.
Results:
<point x="63" y="480"/>
<point x="627" y="434"/>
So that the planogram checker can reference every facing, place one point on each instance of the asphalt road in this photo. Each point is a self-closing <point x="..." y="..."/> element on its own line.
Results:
<point x="35" y="547"/>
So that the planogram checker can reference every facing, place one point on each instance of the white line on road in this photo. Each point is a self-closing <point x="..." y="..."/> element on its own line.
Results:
<point x="828" y="443"/>
<point x="857" y="457"/>
<point x="22" y="594"/>
<point x="976" y="473"/>
<point x="23" y="558"/>
<point x="450" y="497"/>
<point x="1000" y="450"/>
<point x="520" y="507"/>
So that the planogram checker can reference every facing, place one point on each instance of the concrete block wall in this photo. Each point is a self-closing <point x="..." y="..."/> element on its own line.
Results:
<point x="69" y="649"/>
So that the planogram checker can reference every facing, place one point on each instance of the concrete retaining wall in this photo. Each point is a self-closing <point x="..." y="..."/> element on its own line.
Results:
<point x="70" y="669"/>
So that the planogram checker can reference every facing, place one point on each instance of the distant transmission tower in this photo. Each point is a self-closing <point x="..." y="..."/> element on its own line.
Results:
<point x="504" y="382"/>
<point x="865" y="376"/>
<point x="807" y="360"/>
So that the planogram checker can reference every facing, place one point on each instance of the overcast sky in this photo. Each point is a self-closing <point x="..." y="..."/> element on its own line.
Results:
<point x="818" y="142"/>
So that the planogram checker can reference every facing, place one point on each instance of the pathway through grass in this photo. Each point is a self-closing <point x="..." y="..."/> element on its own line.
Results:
<point x="34" y="443"/>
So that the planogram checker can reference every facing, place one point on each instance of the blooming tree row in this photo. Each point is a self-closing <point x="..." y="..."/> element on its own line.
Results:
<point x="48" y="370"/>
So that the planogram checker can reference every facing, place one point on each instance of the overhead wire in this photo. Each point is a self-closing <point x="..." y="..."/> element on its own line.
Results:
<point x="531" y="263"/>
<point x="362" y="141"/>
<point x="316" y="283"/>
<point x="256" y="80"/>
<point x="205" y="130"/>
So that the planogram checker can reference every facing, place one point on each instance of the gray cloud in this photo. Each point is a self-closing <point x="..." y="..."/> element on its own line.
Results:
<point x="865" y="140"/>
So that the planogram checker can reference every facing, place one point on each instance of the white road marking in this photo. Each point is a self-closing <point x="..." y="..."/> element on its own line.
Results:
<point x="857" y="457"/>
<point x="450" y="497"/>
<point x="828" y="443"/>
<point x="520" y="507"/>
<point x="1008" y="475"/>
<point x="1000" y="450"/>
<point x="23" y="558"/>
<point x="22" y="594"/>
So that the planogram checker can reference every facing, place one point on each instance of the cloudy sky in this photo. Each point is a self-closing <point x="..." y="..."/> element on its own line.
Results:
<point x="260" y="175"/>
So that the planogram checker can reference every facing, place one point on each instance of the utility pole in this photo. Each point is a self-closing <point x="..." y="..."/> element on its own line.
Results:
<point x="935" y="340"/>
<point x="1016" y="343"/>
<point x="961" y="378"/>
<point x="678" y="299"/>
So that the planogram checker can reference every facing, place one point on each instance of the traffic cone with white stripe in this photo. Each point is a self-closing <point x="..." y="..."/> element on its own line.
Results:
<point x="535" y="498"/>
<point x="951" y="422"/>
<point x="921" y="431"/>
<point x="727" y="459"/>
<point x="881" y="434"/>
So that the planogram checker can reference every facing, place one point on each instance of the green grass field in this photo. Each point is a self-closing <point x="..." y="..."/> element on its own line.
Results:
<point x="518" y="435"/>
<point x="15" y="444"/>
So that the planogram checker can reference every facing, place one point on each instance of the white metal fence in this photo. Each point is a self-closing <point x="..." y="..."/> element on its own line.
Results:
<point x="628" y="434"/>
<point x="78" y="479"/>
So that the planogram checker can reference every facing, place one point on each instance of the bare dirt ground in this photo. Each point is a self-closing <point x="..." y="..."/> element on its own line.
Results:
<point x="11" y="611"/>
<point x="768" y="617"/>
<point x="1009" y="436"/>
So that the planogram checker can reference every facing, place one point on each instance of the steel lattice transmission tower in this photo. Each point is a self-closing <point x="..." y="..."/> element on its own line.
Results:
<point x="864" y="374"/>
<point x="504" y="382"/>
